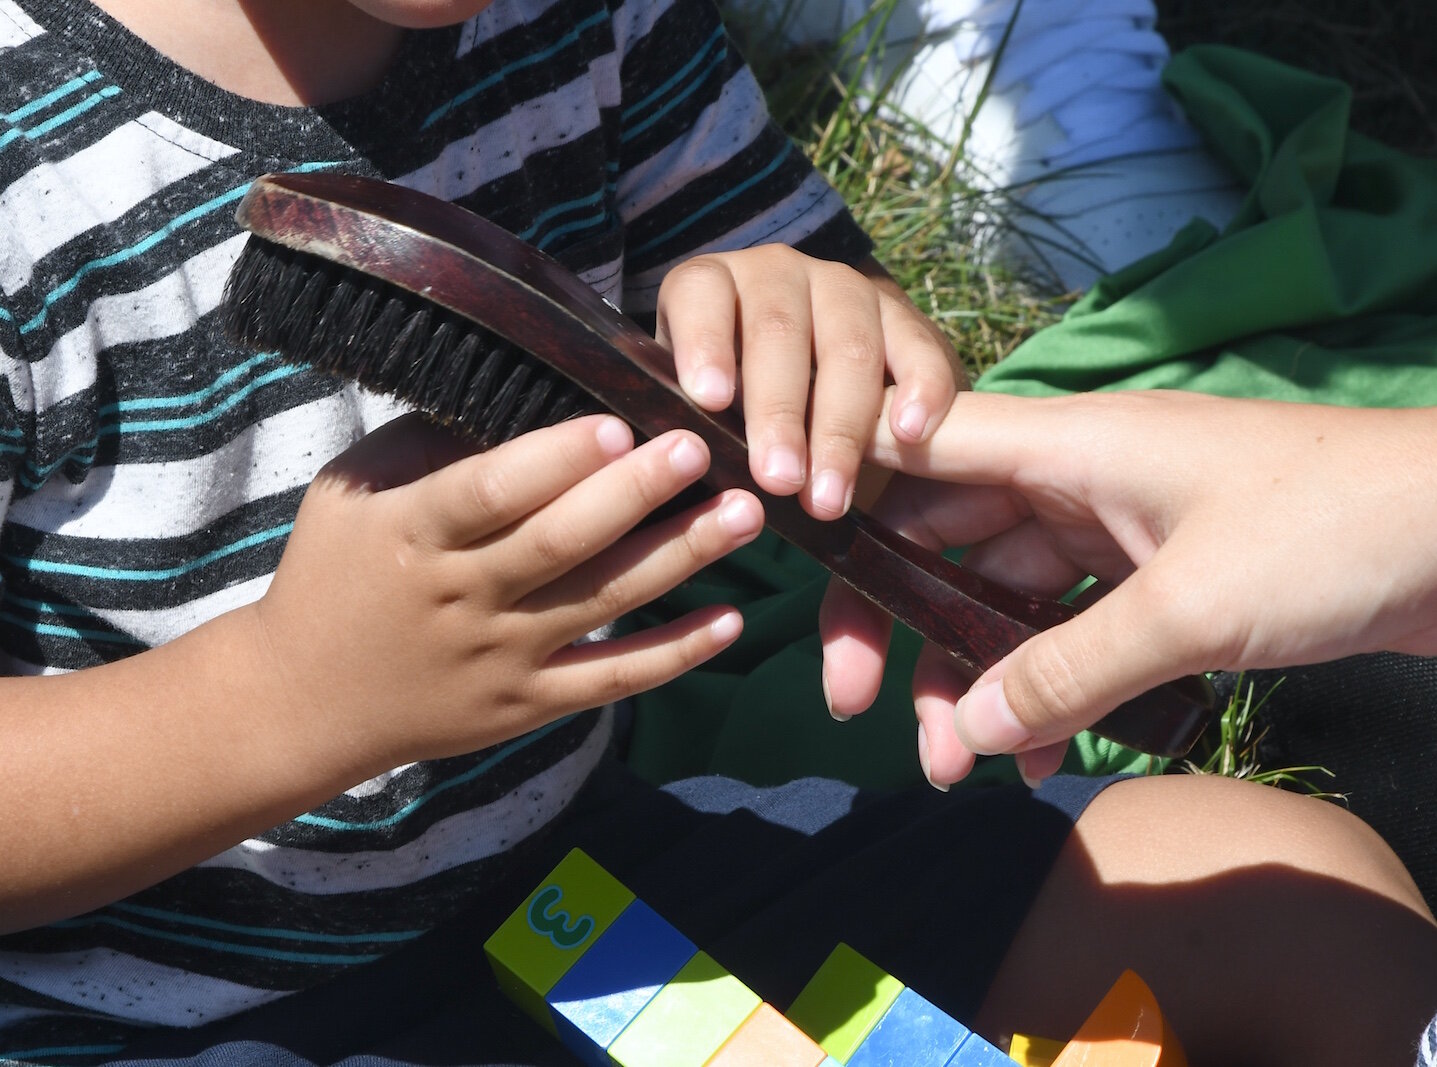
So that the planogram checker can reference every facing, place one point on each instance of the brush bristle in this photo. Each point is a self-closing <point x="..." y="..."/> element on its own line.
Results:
<point x="354" y="326"/>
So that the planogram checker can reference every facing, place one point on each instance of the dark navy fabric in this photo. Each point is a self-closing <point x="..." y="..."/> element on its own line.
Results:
<point x="929" y="886"/>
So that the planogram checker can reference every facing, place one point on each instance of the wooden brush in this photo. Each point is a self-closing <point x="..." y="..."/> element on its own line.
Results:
<point x="413" y="296"/>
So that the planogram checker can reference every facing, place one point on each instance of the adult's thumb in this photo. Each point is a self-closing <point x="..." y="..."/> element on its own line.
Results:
<point x="1061" y="681"/>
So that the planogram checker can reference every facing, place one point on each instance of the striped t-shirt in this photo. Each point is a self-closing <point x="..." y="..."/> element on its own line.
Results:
<point x="150" y="471"/>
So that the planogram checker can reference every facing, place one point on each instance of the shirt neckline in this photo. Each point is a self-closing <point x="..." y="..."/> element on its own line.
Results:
<point x="284" y="133"/>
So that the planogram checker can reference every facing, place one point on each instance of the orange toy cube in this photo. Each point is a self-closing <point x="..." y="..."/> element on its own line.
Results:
<point x="1126" y="1029"/>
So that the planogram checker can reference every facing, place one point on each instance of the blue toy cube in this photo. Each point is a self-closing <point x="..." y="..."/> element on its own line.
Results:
<point x="911" y="1033"/>
<point x="975" y="1052"/>
<point x="615" y="980"/>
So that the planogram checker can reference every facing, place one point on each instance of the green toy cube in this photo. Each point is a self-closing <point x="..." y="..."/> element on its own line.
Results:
<point x="688" y="1020"/>
<point x="843" y="1001"/>
<point x="546" y="934"/>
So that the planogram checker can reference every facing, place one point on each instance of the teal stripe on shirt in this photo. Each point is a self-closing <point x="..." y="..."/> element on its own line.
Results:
<point x="71" y="87"/>
<point x="196" y="397"/>
<point x="713" y="205"/>
<point x="36" y="476"/>
<point x="40" y="103"/>
<point x="562" y="209"/>
<point x="145" y="244"/>
<point x="495" y="77"/>
<point x="675" y="78"/>
<point x="50" y="629"/>
<point x="74" y="112"/>
<point x="630" y="132"/>
<point x="278" y="933"/>
<point x="483" y="767"/>
<point x="158" y="574"/>
<point x="229" y="947"/>
<point x="140" y="247"/>
<point x="51" y="1051"/>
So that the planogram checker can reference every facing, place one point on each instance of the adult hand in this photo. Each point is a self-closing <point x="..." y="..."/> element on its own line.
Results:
<point x="1226" y="534"/>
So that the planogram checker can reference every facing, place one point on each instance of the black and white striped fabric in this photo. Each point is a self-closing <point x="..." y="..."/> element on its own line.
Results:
<point x="1427" y="1046"/>
<point x="150" y="471"/>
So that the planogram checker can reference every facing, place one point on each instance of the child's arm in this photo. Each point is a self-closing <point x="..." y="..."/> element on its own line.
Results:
<point x="425" y="606"/>
<point x="817" y="344"/>
<point x="1236" y="534"/>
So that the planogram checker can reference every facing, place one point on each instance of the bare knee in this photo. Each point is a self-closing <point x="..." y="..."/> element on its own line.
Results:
<point x="1272" y="927"/>
<point x="1187" y="827"/>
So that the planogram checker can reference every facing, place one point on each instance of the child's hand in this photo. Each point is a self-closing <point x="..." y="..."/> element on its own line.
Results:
<point x="798" y="324"/>
<point x="428" y="601"/>
<point x="1233" y="534"/>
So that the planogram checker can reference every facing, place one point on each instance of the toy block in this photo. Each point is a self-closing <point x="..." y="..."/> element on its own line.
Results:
<point x="552" y="929"/>
<point x="1126" y="1029"/>
<point x="843" y="1001"/>
<point x="615" y="979"/>
<point x="1028" y="1051"/>
<point x="976" y="1052"/>
<point x="912" y="1033"/>
<point x="687" y="1021"/>
<point x="767" y="1039"/>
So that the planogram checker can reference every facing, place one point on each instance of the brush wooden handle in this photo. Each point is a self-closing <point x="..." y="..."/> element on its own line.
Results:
<point x="456" y="259"/>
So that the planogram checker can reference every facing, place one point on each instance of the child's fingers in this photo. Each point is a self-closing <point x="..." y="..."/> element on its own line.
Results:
<point x="589" y="517"/>
<point x="697" y="313"/>
<point x="599" y="672"/>
<point x="855" y="635"/>
<point x="937" y="685"/>
<point x="942" y="515"/>
<point x="646" y="564"/>
<point x="1003" y="540"/>
<point x="848" y="347"/>
<point x="1024" y="557"/>
<point x="776" y="343"/>
<point x="923" y="366"/>
<point x="1039" y="763"/>
<point x="471" y="499"/>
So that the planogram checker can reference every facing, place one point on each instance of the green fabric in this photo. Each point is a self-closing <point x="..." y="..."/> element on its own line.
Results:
<point x="1323" y="289"/>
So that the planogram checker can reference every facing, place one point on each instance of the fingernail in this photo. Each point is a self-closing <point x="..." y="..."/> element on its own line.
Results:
<point x="1022" y="764"/>
<point x="739" y="517"/>
<point x="727" y="626"/>
<point x="687" y="458"/>
<point x="913" y="420"/>
<point x="614" y="437"/>
<point x="784" y="466"/>
<point x="712" y="385"/>
<point x="923" y="759"/>
<point x="828" y="700"/>
<point x="986" y="724"/>
<point x="831" y="493"/>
